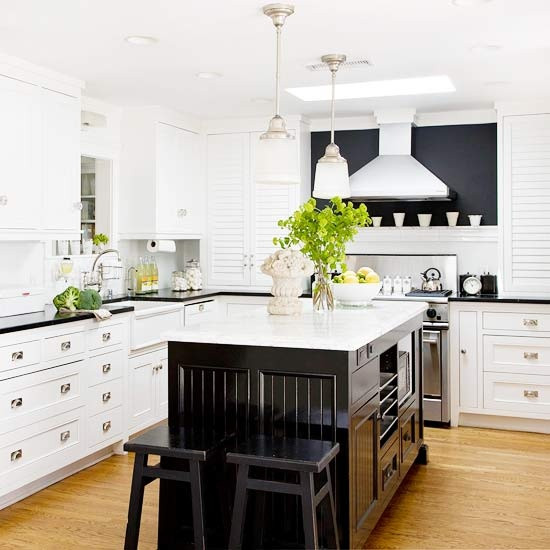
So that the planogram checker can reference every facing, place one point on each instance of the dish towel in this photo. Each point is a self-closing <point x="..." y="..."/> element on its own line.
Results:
<point x="99" y="314"/>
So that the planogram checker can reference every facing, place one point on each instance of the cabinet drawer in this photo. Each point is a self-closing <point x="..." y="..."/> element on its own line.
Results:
<point x="104" y="426"/>
<point x="199" y="313"/>
<point x="408" y="435"/>
<point x="39" y="442"/>
<point x="104" y="397"/>
<point x="107" y="366"/>
<point x="105" y="336"/>
<point x="63" y="346"/>
<point x="147" y="329"/>
<point x="19" y="355"/>
<point x="388" y="470"/>
<point x="516" y="354"/>
<point x="364" y="379"/>
<point x="517" y="393"/>
<point x="33" y="397"/>
<point x="534" y="322"/>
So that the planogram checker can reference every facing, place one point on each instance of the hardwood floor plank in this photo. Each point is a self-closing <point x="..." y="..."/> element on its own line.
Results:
<point x="483" y="489"/>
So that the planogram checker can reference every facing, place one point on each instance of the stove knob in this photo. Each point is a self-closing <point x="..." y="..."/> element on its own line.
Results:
<point x="431" y="313"/>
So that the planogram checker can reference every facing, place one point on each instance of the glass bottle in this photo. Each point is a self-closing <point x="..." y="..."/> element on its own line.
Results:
<point x="387" y="286"/>
<point x="397" y="285"/>
<point x="154" y="275"/>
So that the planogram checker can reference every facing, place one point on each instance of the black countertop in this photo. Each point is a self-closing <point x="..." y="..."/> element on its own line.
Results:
<point x="167" y="295"/>
<point x="49" y="317"/>
<point x="496" y="298"/>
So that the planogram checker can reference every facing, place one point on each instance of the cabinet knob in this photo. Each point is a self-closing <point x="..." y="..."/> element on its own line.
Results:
<point x="530" y="355"/>
<point x="245" y="260"/>
<point x="77" y="205"/>
<point x="16" y="455"/>
<point x="65" y="346"/>
<point x="182" y="212"/>
<point x="407" y="436"/>
<point x="106" y="368"/>
<point x="106" y="426"/>
<point x="530" y="393"/>
<point x="106" y="336"/>
<point x="65" y="388"/>
<point x="3" y="200"/>
<point x="17" y="356"/>
<point x="530" y="322"/>
<point x="17" y="402"/>
<point x="106" y="397"/>
<point x="251" y="260"/>
<point x="463" y="351"/>
<point x="201" y="307"/>
<point x="65" y="435"/>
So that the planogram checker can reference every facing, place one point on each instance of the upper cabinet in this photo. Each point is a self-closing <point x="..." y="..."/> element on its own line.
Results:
<point x="525" y="203"/>
<point x="39" y="153"/>
<point x="162" y="194"/>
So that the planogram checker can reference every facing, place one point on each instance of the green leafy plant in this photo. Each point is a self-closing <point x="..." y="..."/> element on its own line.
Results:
<point x="100" y="238"/>
<point x="322" y="234"/>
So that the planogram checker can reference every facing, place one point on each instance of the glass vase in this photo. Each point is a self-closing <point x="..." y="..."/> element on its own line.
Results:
<point x="323" y="299"/>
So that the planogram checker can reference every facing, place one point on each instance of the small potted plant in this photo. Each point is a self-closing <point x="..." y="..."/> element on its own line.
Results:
<point x="100" y="241"/>
<point x="322" y="235"/>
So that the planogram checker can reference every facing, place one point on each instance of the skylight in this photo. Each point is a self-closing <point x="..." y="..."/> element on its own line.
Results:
<point x="377" y="88"/>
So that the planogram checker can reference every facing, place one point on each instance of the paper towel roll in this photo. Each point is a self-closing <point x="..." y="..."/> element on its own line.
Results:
<point x="155" y="246"/>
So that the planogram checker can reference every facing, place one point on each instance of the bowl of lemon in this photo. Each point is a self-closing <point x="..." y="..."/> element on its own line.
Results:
<point x="356" y="288"/>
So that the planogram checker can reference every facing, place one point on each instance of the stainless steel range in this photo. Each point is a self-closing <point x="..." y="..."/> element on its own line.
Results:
<point x="435" y="349"/>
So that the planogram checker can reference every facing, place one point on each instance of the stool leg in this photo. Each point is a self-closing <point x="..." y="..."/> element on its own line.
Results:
<point x="332" y="508"/>
<point x="136" y="503"/>
<point x="239" y="509"/>
<point x="309" y="510"/>
<point x="197" y="503"/>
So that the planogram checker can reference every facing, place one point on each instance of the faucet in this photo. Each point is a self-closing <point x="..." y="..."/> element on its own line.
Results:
<point x="95" y="277"/>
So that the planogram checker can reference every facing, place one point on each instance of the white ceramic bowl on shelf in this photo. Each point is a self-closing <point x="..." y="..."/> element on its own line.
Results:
<point x="355" y="294"/>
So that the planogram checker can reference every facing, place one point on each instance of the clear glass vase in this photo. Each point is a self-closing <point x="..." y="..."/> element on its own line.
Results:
<point x="323" y="299"/>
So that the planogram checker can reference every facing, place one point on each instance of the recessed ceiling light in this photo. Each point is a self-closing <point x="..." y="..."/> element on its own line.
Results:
<point x="138" y="40"/>
<point x="207" y="75"/>
<point x="486" y="48"/>
<point x="469" y="3"/>
<point x="378" y="88"/>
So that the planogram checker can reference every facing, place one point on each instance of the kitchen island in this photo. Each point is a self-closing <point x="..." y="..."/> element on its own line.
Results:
<point x="350" y="376"/>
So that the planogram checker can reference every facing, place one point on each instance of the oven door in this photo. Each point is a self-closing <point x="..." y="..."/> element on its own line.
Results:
<point x="434" y="353"/>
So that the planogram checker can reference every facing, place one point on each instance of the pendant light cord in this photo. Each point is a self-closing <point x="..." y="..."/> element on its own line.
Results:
<point x="332" y="107"/>
<point x="278" y="71"/>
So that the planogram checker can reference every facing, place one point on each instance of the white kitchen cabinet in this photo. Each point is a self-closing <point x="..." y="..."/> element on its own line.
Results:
<point x="148" y="389"/>
<point x="20" y="155"/>
<point x="61" y="162"/>
<point x="468" y="359"/>
<point x="524" y="193"/>
<point x="162" y="194"/>
<point x="243" y="215"/>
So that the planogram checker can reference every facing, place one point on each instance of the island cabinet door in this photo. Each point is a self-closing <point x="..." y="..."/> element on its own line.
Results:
<point x="364" y="463"/>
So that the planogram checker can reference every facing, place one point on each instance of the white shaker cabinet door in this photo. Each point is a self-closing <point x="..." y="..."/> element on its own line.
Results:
<point x="61" y="164"/>
<point x="228" y="209"/>
<point x="468" y="360"/>
<point x="142" y="390"/>
<point x="20" y="155"/>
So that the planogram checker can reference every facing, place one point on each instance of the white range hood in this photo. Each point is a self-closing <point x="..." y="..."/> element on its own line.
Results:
<point x="395" y="175"/>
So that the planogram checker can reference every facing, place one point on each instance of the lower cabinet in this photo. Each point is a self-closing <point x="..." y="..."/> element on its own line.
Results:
<point x="148" y="389"/>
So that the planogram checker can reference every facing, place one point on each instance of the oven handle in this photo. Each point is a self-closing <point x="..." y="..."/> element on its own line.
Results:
<point x="431" y="337"/>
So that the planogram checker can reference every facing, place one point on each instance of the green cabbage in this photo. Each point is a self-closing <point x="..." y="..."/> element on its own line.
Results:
<point x="67" y="299"/>
<point x="89" y="299"/>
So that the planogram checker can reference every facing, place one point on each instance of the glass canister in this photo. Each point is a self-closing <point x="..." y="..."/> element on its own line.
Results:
<point x="193" y="274"/>
<point x="179" y="282"/>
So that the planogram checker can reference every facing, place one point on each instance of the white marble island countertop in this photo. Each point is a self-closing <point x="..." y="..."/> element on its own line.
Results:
<point x="340" y="330"/>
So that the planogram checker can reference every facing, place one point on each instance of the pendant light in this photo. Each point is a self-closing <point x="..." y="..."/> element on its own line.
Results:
<point x="276" y="153"/>
<point x="331" y="173"/>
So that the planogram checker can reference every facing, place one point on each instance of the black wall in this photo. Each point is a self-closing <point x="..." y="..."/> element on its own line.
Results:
<point x="464" y="157"/>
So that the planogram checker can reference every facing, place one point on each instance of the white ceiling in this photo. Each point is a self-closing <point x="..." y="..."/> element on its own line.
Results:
<point x="402" y="38"/>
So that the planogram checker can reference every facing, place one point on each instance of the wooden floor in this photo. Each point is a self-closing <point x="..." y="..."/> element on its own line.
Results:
<point x="482" y="489"/>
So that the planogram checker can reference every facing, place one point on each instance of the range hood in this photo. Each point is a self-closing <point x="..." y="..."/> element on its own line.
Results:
<point x="395" y="175"/>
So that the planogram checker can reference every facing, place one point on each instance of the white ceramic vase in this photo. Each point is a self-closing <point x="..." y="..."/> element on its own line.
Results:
<point x="286" y="291"/>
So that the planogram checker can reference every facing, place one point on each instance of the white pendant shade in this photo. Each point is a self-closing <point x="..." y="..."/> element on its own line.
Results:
<point x="277" y="161"/>
<point x="331" y="180"/>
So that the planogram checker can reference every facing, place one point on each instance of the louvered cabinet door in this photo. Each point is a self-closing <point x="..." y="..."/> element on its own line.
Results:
<point x="526" y="203"/>
<point x="228" y="209"/>
<point x="270" y="203"/>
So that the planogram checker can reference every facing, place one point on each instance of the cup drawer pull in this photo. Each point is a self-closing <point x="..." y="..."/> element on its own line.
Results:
<point x="17" y="402"/>
<point x="16" y="455"/>
<point x="530" y="393"/>
<point x="65" y="435"/>
<point x="530" y="322"/>
<point x="106" y="336"/>
<point x="406" y="436"/>
<point x="106" y="426"/>
<point x="387" y="473"/>
<point x="17" y="356"/>
<point x="106" y="368"/>
<point x="106" y="396"/>
<point x="65" y="388"/>
<point x="65" y="346"/>
<point x="530" y="355"/>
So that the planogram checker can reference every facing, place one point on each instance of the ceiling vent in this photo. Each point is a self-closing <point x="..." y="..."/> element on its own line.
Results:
<point x="353" y="64"/>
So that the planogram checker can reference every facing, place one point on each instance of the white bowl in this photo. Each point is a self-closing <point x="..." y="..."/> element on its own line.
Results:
<point x="355" y="294"/>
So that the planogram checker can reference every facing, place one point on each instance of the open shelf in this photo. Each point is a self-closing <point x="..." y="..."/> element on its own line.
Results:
<point x="387" y="378"/>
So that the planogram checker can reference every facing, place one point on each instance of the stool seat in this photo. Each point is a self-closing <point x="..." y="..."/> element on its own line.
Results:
<point x="184" y="443"/>
<point x="285" y="453"/>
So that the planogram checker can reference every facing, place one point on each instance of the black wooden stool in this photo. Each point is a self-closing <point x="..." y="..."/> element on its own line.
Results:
<point x="306" y="456"/>
<point x="193" y="447"/>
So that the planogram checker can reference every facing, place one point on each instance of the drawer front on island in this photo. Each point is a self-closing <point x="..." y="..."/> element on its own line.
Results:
<point x="389" y="470"/>
<point x="408" y="424"/>
<point x="534" y="322"/>
<point x="364" y="379"/>
<point x="526" y="393"/>
<point x="516" y="354"/>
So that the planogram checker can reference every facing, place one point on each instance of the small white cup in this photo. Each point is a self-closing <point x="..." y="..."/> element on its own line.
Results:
<point x="376" y="221"/>
<point x="452" y="218"/>
<point x="399" y="218"/>
<point x="424" y="220"/>
<point x="475" y="220"/>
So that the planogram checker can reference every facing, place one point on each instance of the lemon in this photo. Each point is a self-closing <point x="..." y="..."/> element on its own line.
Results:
<point x="365" y="271"/>
<point x="349" y="274"/>
<point x="372" y="278"/>
<point x="350" y="279"/>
